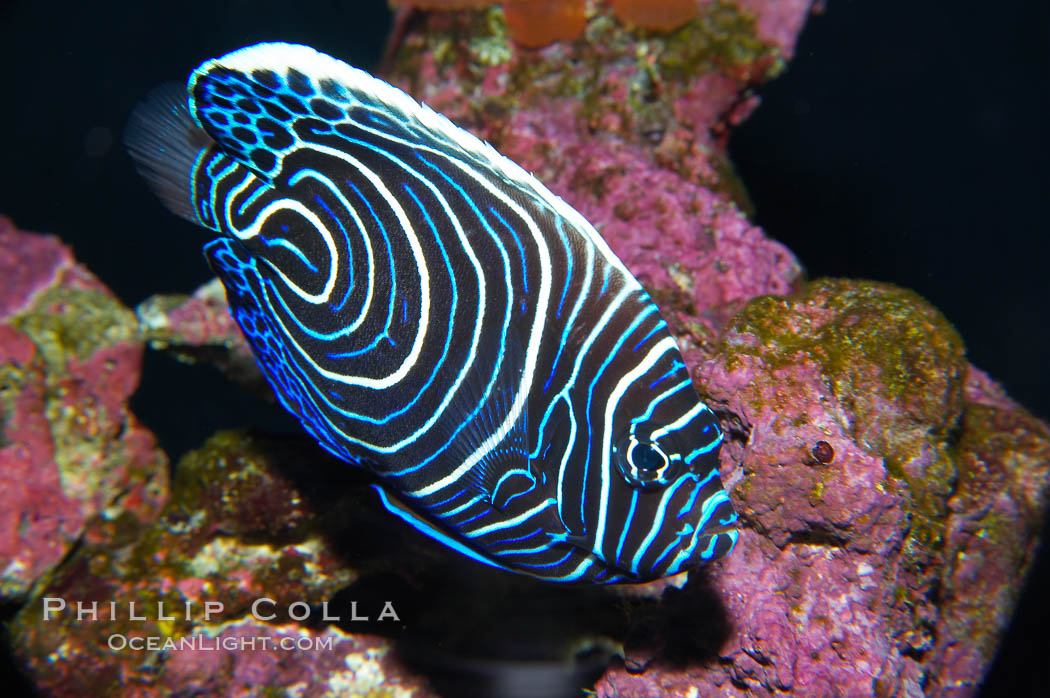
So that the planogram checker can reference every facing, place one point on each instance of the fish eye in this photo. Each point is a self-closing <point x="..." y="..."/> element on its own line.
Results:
<point x="643" y="463"/>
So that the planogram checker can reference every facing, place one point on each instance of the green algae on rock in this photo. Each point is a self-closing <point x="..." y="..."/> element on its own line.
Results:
<point x="998" y="505"/>
<point x="892" y="361"/>
<point x="73" y="323"/>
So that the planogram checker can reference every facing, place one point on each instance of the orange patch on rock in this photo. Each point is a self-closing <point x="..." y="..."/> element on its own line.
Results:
<point x="662" y="15"/>
<point x="534" y="23"/>
<point x="530" y="23"/>
<point x="445" y="4"/>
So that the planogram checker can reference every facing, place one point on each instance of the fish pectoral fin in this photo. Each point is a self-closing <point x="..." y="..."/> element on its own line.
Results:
<point x="578" y="540"/>
<point x="513" y="483"/>
<point x="490" y="425"/>
<point x="502" y="475"/>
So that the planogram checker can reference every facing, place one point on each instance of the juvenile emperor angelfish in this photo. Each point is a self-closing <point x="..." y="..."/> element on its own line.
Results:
<point x="431" y="312"/>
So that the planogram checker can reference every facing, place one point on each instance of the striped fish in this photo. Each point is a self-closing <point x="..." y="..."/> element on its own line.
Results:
<point x="431" y="312"/>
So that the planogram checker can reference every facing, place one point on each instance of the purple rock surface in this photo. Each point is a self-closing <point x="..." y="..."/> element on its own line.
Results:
<point x="890" y="493"/>
<point x="356" y="665"/>
<point x="629" y="130"/>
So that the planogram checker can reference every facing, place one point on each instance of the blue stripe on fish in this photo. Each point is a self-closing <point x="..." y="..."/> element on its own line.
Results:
<point x="430" y="311"/>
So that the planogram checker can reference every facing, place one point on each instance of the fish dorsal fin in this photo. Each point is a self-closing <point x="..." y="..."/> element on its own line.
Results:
<point x="265" y="101"/>
<point x="257" y="101"/>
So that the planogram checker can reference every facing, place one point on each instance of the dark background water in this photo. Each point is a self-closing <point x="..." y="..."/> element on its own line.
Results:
<point x="906" y="143"/>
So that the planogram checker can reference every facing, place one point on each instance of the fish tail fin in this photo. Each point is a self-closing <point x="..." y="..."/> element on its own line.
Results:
<point x="166" y="143"/>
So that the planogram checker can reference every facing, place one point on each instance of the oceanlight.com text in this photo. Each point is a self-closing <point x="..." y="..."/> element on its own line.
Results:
<point x="119" y="642"/>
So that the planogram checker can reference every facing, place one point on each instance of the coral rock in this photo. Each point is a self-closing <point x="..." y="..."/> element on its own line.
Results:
<point x="328" y="662"/>
<point x="238" y="528"/>
<point x="889" y="492"/>
<point x="891" y="569"/>
<point x="199" y="328"/>
<point x="70" y="451"/>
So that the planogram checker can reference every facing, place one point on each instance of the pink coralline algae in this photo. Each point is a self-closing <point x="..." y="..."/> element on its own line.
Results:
<point x="70" y="450"/>
<point x="893" y="568"/>
<point x="199" y="327"/>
